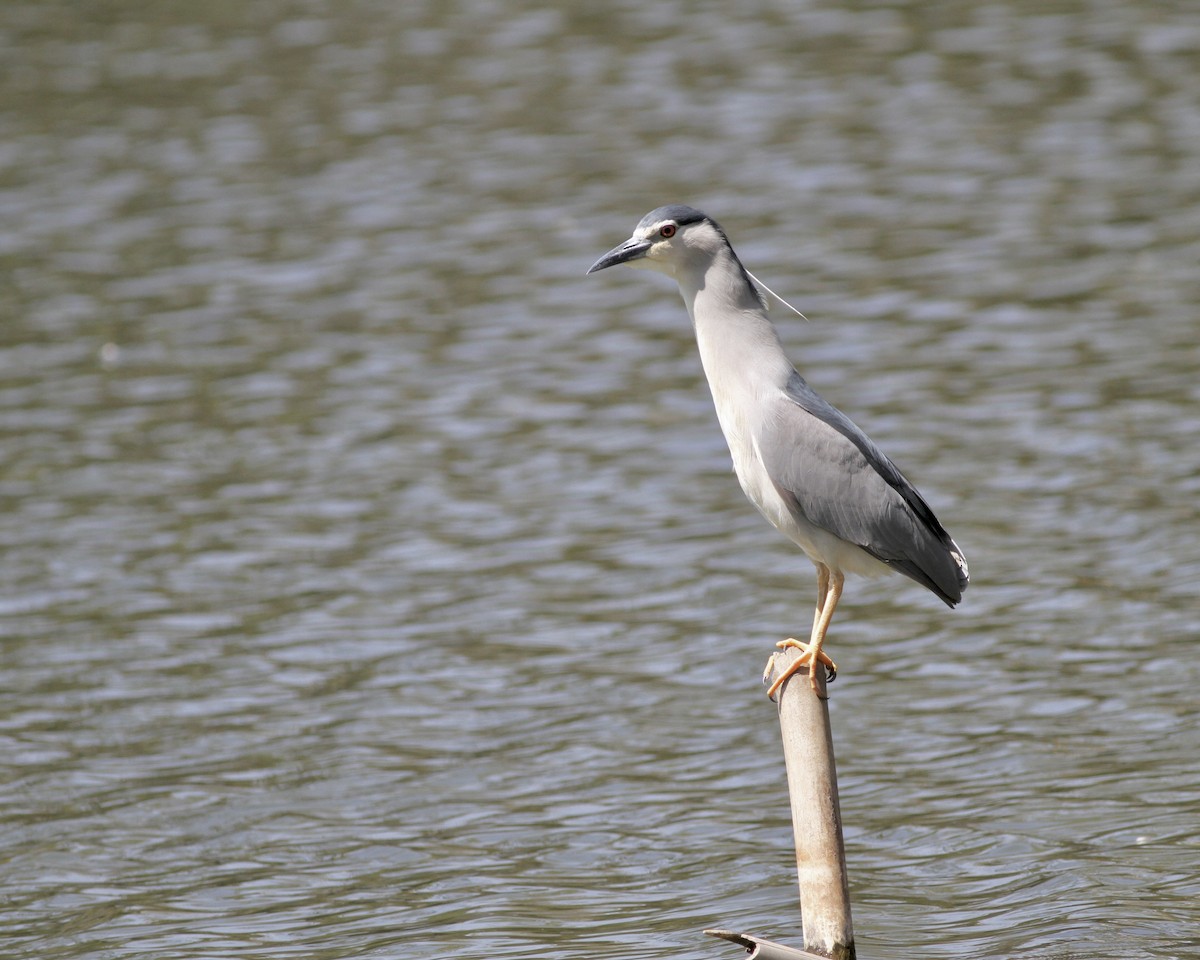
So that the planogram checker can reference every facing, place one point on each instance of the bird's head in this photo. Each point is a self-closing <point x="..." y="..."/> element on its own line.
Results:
<point x="672" y="240"/>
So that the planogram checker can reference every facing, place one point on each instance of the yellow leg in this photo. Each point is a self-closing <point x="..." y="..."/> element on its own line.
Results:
<point x="829" y="591"/>
<point x="832" y="596"/>
<point x="822" y="593"/>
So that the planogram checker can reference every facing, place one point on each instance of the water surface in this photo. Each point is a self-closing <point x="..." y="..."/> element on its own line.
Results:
<point x="376" y="585"/>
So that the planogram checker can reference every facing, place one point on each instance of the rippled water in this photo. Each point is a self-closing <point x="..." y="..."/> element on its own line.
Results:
<point x="376" y="585"/>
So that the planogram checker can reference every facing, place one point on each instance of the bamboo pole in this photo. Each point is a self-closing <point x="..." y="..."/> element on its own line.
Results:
<point x="816" y="814"/>
<point x="816" y="824"/>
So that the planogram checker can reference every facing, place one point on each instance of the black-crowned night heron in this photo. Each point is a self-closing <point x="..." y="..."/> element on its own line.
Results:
<point x="808" y="469"/>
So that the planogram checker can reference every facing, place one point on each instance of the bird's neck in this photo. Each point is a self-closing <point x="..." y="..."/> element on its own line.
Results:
<point x="736" y="339"/>
<point x="743" y="359"/>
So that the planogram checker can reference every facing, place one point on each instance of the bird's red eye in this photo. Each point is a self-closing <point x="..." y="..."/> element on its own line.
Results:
<point x="667" y="230"/>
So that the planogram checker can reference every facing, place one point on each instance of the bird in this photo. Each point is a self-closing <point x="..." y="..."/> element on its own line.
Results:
<point x="817" y="477"/>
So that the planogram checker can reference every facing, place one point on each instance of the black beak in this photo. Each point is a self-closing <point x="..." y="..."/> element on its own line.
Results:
<point x="631" y="249"/>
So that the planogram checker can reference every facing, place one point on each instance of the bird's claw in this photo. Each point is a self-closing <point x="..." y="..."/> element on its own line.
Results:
<point x="803" y="660"/>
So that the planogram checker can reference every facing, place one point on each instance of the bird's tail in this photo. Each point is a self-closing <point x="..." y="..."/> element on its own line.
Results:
<point x="964" y="574"/>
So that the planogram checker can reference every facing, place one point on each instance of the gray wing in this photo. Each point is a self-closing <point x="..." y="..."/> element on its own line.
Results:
<point x="831" y="472"/>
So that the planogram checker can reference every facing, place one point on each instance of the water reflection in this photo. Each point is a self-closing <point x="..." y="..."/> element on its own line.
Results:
<point x="375" y="585"/>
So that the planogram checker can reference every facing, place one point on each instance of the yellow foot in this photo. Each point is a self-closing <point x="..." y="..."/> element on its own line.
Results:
<point x="799" y="663"/>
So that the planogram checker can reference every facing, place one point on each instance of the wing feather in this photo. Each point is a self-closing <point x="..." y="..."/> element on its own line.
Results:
<point x="826" y="468"/>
